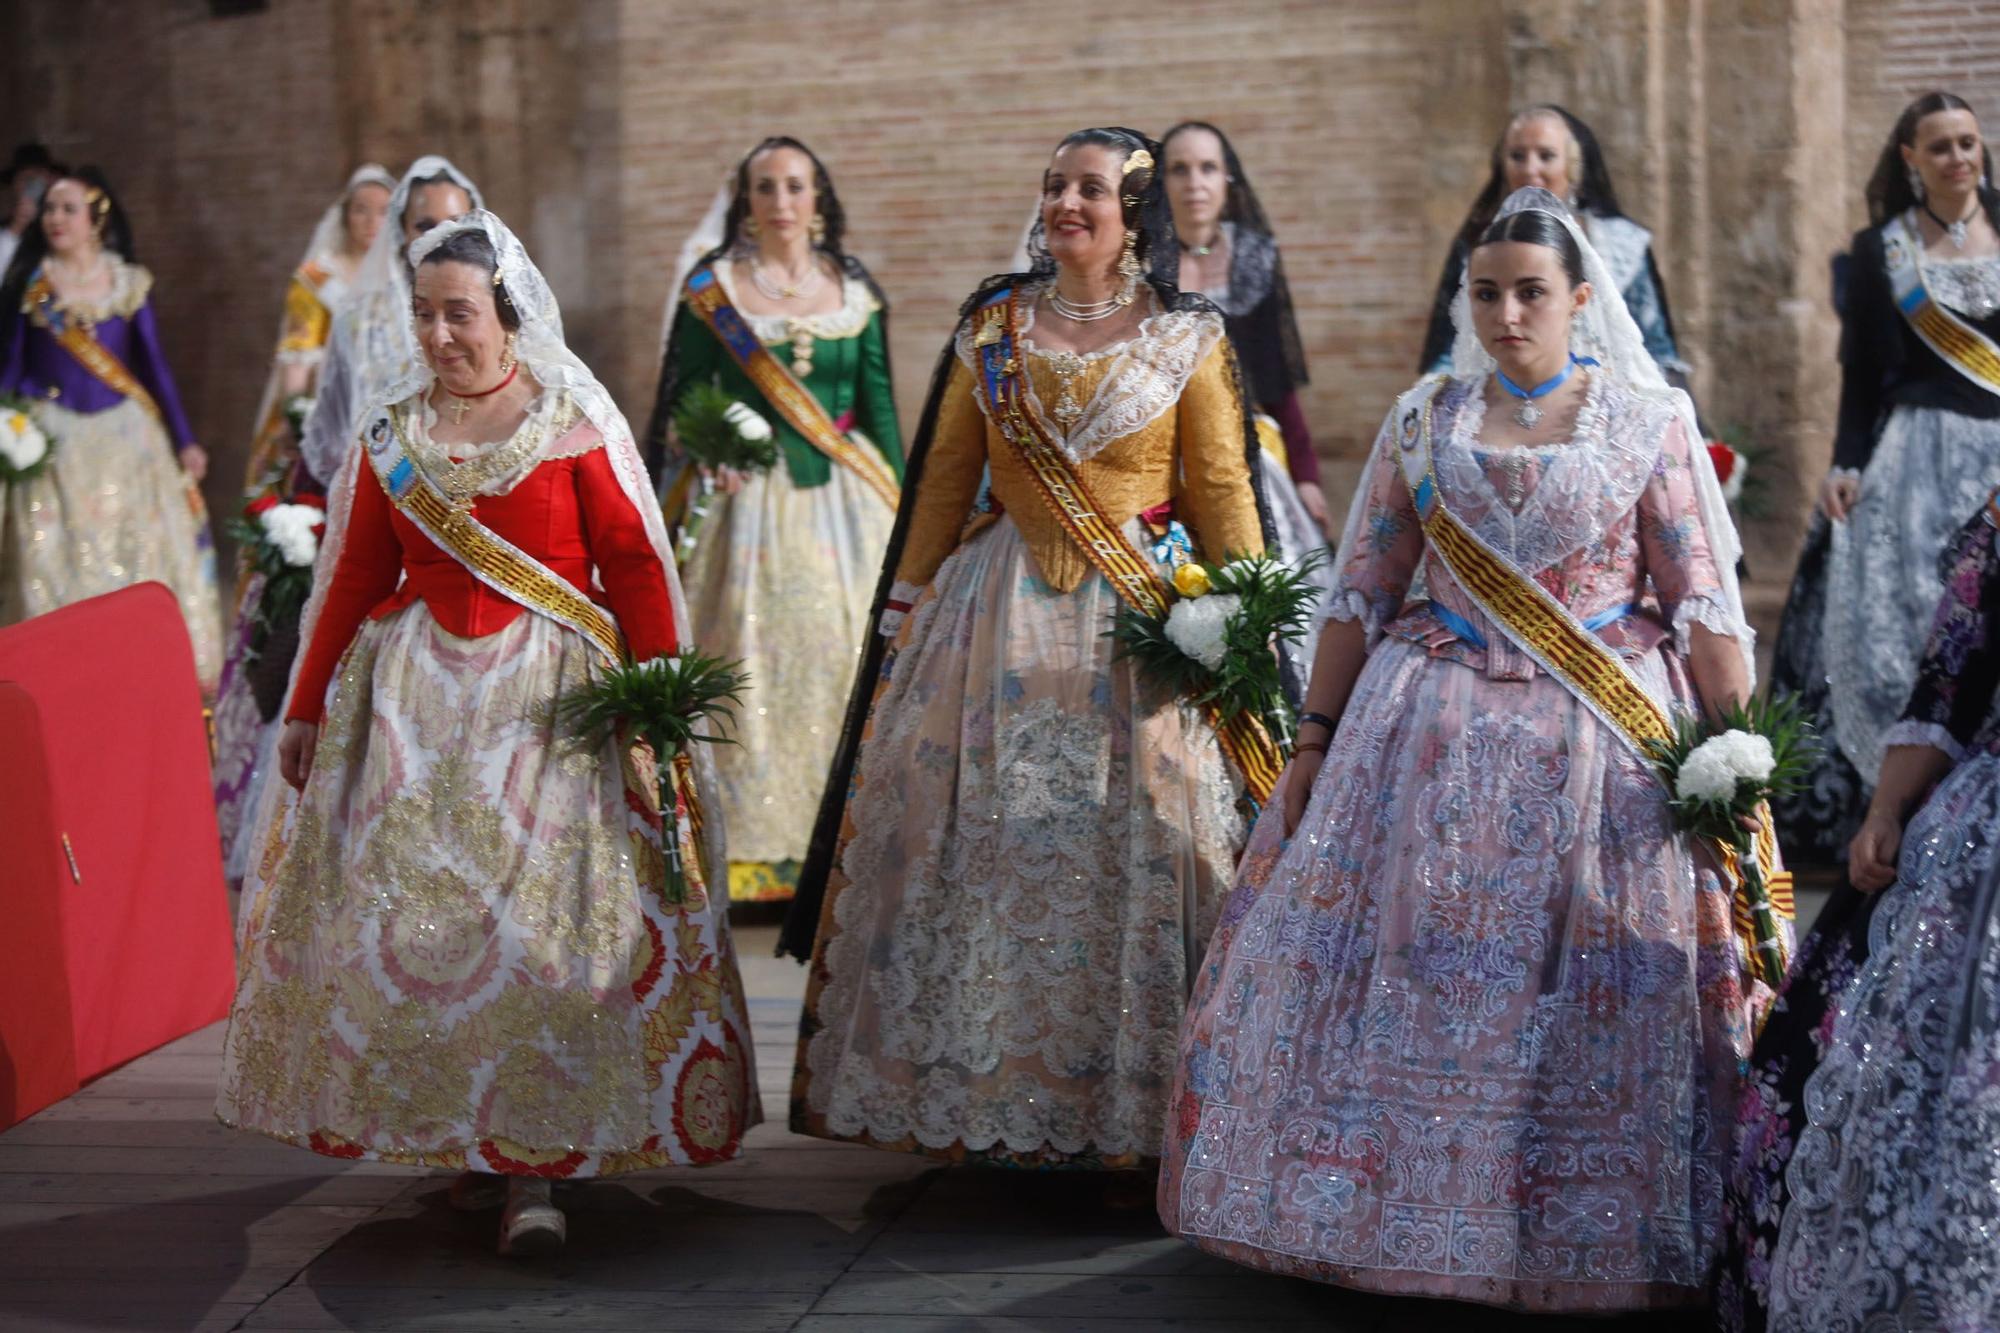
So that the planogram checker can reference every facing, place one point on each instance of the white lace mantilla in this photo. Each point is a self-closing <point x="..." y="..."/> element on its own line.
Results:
<point x="850" y="321"/>
<point x="1623" y="244"/>
<point x="1147" y="374"/>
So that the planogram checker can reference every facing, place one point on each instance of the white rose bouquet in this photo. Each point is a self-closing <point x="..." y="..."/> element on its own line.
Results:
<point x="718" y="431"/>
<point x="1217" y="642"/>
<point x="1719" y="784"/>
<point x="25" y="448"/>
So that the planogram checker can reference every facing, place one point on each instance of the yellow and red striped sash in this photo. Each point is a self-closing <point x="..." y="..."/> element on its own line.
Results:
<point x="1962" y="347"/>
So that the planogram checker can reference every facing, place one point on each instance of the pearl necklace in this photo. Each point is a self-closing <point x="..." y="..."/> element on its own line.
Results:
<point x="803" y="288"/>
<point x="1083" y="314"/>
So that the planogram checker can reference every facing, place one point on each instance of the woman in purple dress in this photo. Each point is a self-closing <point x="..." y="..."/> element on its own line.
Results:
<point x="116" y="502"/>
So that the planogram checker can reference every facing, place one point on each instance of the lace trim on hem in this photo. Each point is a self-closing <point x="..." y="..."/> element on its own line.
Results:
<point x="1912" y="732"/>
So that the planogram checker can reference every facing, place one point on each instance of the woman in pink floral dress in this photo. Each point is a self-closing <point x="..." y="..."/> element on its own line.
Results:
<point x="1473" y="1029"/>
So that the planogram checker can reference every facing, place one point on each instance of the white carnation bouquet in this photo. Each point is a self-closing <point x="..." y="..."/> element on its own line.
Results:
<point x="25" y="448"/>
<point x="718" y="431"/>
<point x="1216" y="644"/>
<point x="1720" y="782"/>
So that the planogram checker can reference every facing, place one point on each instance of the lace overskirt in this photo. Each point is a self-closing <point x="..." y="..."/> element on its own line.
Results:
<point x="1033" y="852"/>
<point x="1892" y="1206"/>
<point x="1931" y="471"/>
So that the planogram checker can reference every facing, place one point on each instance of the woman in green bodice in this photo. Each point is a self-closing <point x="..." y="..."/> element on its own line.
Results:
<point x="781" y="566"/>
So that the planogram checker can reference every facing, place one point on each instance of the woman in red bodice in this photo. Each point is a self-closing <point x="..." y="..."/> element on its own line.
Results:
<point x="460" y="947"/>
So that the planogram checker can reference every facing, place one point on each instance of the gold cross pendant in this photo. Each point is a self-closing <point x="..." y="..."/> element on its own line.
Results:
<point x="459" y="407"/>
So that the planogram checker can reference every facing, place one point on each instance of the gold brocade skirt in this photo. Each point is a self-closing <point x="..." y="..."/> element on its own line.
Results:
<point x="455" y="947"/>
<point x="1034" y="852"/>
<point x="782" y="576"/>
<point x="111" y="509"/>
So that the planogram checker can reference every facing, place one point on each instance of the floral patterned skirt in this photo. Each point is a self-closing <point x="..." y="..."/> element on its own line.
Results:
<point x="112" y="508"/>
<point x="1031" y="858"/>
<point x="1889" y="1205"/>
<point x="782" y="577"/>
<point x="1474" y="1031"/>
<point x="455" y="949"/>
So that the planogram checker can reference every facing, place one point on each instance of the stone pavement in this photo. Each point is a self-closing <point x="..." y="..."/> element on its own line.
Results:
<point x="129" y="1207"/>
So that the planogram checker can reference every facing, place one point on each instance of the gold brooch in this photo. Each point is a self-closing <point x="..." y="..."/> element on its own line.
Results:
<point x="993" y="329"/>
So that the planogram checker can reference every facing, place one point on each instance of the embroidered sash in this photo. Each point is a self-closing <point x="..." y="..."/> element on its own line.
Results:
<point x="1565" y="647"/>
<point x="781" y="389"/>
<point x="1135" y="579"/>
<point x="1961" y="345"/>
<point x="522" y="579"/>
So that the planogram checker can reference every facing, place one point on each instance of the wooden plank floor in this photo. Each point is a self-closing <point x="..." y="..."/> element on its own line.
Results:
<point x="129" y="1207"/>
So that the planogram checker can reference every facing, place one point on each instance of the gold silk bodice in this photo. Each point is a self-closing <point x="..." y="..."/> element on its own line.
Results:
<point x="1192" y="453"/>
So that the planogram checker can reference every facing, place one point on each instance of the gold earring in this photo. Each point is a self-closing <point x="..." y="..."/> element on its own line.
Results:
<point x="750" y="228"/>
<point x="510" y="357"/>
<point x="1128" y="267"/>
<point x="818" y="229"/>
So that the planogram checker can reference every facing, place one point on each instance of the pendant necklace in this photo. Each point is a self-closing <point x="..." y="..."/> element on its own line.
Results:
<point x="1956" y="230"/>
<point x="1527" y="414"/>
<point x="461" y="403"/>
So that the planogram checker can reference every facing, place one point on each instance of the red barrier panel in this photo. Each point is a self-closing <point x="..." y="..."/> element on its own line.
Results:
<point x="145" y="916"/>
<point x="37" y="1033"/>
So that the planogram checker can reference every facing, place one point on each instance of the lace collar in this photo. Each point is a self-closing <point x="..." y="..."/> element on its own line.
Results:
<point x="1969" y="286"/>
<point x="1583" y="486"/>
<point x="131" y="284"/>
<point x="462" y="470"/>
<point x="850" y="321"/>
<point x="1145" y="378"/>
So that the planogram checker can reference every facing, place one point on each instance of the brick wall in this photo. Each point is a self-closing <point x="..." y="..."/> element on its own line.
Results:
<point x="1740" y="132"/>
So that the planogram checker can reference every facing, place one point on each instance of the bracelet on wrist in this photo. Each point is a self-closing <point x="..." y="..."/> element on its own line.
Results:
<point x="1318" y="720"/>
<point x="1310" y="747"/>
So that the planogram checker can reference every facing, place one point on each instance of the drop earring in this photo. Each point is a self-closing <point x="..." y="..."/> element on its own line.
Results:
<point x="750" y="228"/>
<point x="1128" y="267"/>
<point x="1916" y="183"/>
<point x="818" y="229"/>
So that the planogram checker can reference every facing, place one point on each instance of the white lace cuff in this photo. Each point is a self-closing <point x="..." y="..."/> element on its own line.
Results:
<point x="1348" y="604"/>
<point x="1912" y="732"/>
<point x="1844" y="473"/>
<point x="1712" y="614"/>
<point x="902" y="596"/>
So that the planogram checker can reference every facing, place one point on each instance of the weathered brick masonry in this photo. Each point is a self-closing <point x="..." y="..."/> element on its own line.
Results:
<point x="1740" y="132"/>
